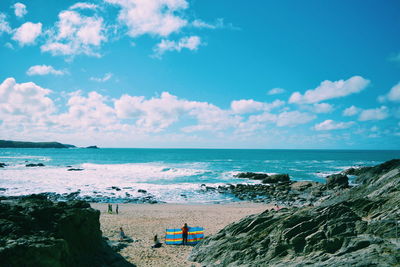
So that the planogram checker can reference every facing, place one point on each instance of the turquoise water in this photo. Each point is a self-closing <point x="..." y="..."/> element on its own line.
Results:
<point x="167" y="174"/>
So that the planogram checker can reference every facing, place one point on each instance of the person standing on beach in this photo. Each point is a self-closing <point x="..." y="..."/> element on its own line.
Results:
<point x="185" y="232"/>
<point x="110" y="208"/>
<point x="116" y="209"/>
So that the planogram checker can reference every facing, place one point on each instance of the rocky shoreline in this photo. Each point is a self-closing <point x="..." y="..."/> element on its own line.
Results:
<point x="356" y="226"/>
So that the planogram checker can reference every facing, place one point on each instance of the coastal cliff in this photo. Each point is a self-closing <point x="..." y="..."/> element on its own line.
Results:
<point x="20" y="144"/>
<point x="352" y="227"/>
<point x="37" y="232"/>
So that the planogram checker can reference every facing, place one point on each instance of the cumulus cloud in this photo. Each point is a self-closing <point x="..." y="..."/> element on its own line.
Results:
<point x="27" y="33"/>
<point x="154" y="17"/>
<point x="20" y="10"/>
<point x="43" y="70"/>
<point x="24" y="102"/>
<point x="105" y="78"/>
<point x="189" y="42"/>
<point x="4" y="25"/>
<point x="91" y="112"/>
<point x="328" y="90"/>
<point x="249" y="105"/>
<point x="276" y="91"/>
<point x="158" y="113"/>
<point x="393" y="95"/>
<point x="76" y="34"/>
<point x="83" y="5"/>
<point x="351" y="111"/>
<point x="329" y="125"/>
<point x="374" y="114"/>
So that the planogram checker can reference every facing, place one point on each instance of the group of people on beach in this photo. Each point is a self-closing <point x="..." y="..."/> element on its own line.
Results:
<point x="110" y="209"/>
<point x="157" y="243"/>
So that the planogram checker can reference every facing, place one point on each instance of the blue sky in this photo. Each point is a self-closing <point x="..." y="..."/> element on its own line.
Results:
<point x="209" y="74"/>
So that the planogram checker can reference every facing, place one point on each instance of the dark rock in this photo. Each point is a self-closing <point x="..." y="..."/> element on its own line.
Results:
<point x="252" y="175"/>
<point x="2" y="165"/>
<point x="34" y="165"/>
<point x="37" y="232"/>
<point x="337" y="181"/>
<point x="74" y="169"/>
<point x="116" y="188"/>
<point x="142" y="191"/>
<point x="92" y="147"/>
<point x="276" y="178"/>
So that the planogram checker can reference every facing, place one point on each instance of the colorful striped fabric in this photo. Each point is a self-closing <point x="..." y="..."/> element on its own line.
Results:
<point x="174" y="236"/>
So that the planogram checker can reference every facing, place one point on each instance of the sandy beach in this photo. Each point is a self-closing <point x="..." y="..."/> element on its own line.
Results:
<point x="143" y="221"/>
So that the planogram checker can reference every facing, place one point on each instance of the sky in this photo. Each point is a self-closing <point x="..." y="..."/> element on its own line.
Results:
<point x="312" y="74"/>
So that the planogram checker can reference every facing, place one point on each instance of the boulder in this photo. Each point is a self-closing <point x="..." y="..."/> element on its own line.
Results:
<point x="276" y="178"/>
<point x="252" y="175"/>
<point x="337" y="181"/>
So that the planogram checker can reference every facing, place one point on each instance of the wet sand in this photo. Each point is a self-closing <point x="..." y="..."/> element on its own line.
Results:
<point x="142" y="221"/>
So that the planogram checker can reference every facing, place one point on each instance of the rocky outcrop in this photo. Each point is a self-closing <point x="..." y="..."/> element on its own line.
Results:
<point x="34" y="165"/>
<point x="2" y="165"/>
<point x="92" y="147"/>
<point x="264" y="177"/>
<point x="37" y="232"/>
<point x="352" y="227"/>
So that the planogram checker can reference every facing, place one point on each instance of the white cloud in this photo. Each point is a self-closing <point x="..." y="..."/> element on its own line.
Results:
<point x="191" y="43"/>
<point x="249" y="105"/>
<point x="293" y="118"/>
<point x="286" y="118"/>
<point x="328" y="90"/>
<point x="4" y="25"/>
<point x="27" y="33"/>
<point x="154" y="17"/>
<point x="43" y="70"/>
<point x="20" y="10"/>
<point x="105" y="78"/>
<point x="198" y="23"/>
<point x="276" y="91"/>
<point x="91" y="112"/>
<point x="83" y="5"/>
<point x="322" y="108"/>
<point x="328" y="125"/>
<point x="24" y="102"/>
<point x="351" y="111"/>
<point x="76" y="34"/>
<point x="393" y="95"/>
<point x="374" y="114"/>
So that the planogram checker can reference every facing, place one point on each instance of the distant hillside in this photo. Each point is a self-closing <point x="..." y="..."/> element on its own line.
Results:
<point x="19" y="144"/>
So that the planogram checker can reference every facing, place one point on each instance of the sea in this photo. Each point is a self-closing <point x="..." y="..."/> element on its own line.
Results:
<point x="168" y="175"/>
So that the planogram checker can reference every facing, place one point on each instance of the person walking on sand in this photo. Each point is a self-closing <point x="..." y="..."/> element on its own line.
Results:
<point x="185" y="232"/>
<point x="116" y="209"/>
<point x="110" y="208"/>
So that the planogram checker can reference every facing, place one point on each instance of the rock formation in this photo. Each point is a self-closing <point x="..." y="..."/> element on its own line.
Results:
<point x="352" y="227"/>
<point x="37" y="232"/>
